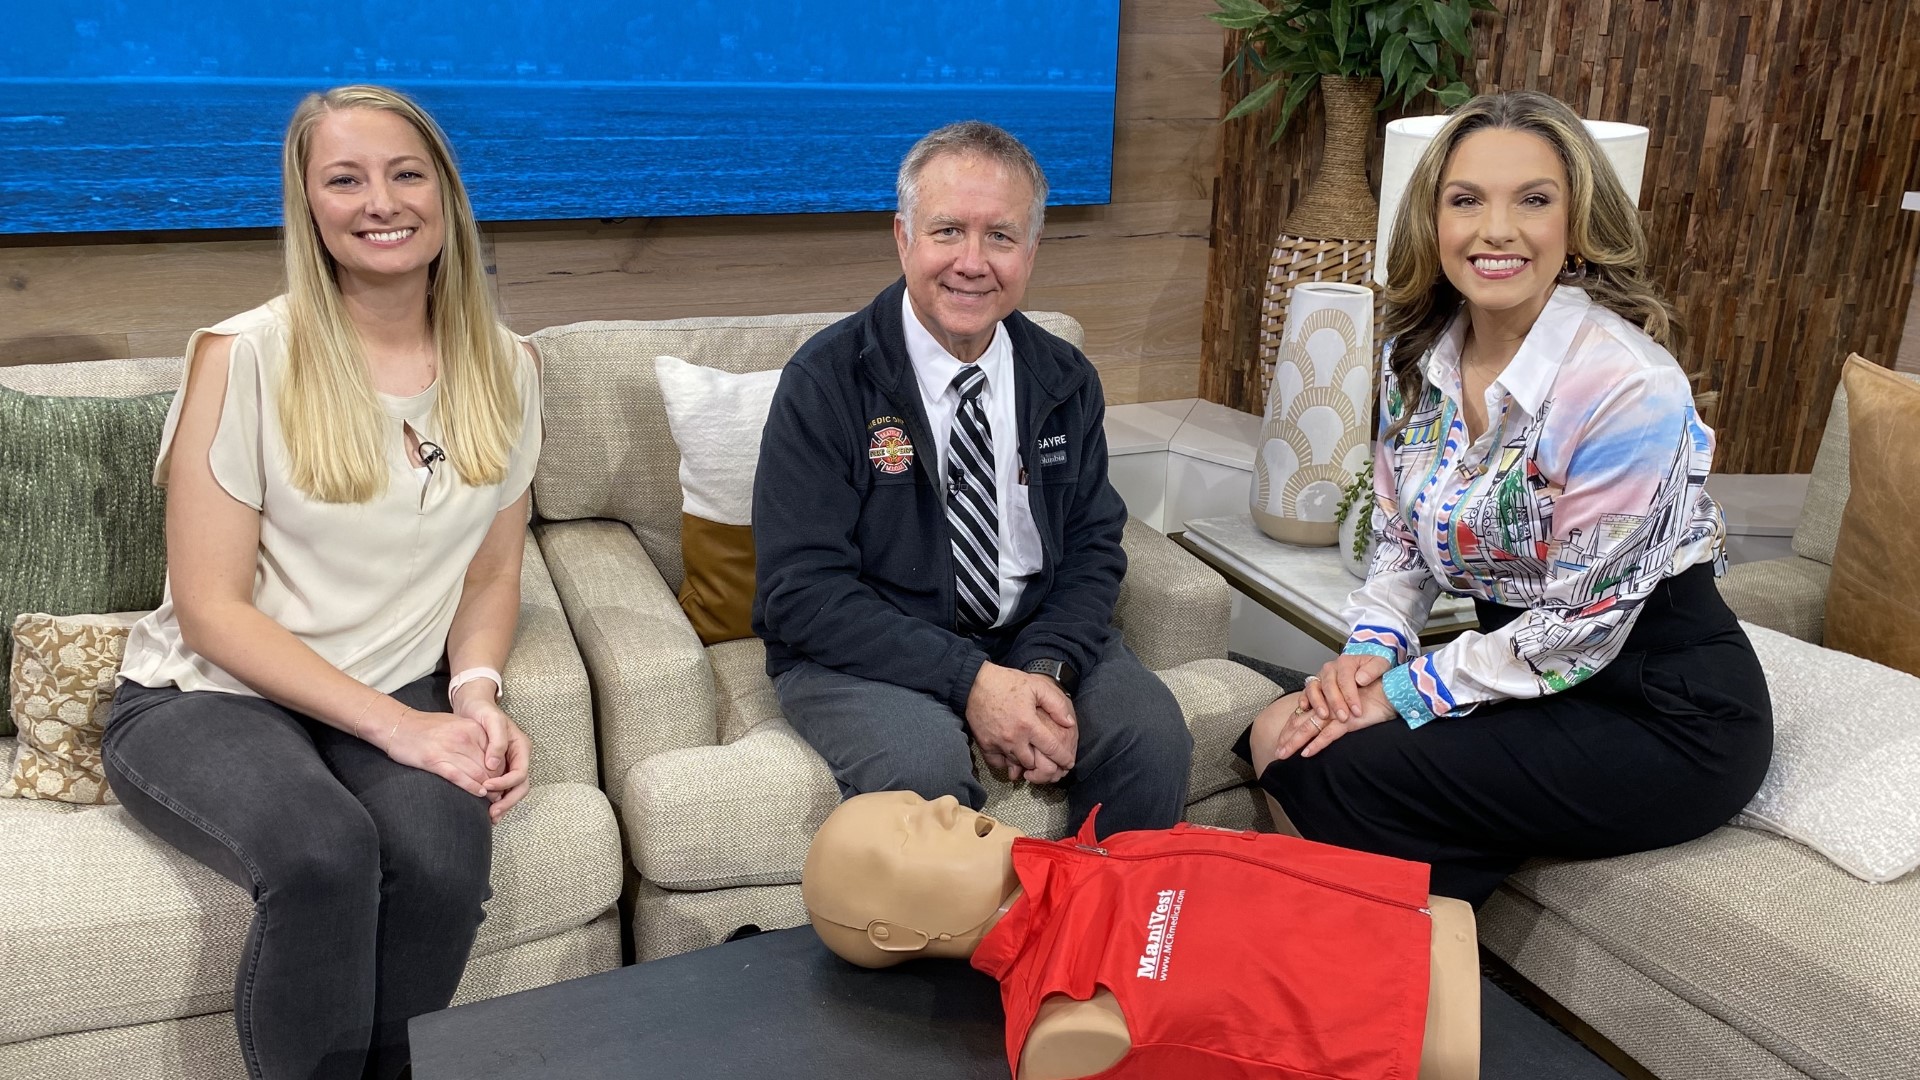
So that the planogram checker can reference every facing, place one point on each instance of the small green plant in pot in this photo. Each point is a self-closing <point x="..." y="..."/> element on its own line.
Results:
<point x="1355" y="516"/>
<point x="1411" y="46"/>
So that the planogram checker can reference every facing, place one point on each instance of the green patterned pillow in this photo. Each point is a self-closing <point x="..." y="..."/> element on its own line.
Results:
<point x="82" y="526"/>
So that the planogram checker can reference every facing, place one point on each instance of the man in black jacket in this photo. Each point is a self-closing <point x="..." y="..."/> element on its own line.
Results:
<point x="937" y="546"/>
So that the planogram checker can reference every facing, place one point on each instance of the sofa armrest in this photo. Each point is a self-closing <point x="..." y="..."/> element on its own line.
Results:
<point x="718" y="817"/>
<point x="652" y="687"/>
<point x="1173" y="608"/>
<point x="1788" y="595"/>
<point x="546" y="683"/>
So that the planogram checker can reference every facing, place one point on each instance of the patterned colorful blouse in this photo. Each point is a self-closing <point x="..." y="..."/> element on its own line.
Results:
<point x="1585" y="491"/>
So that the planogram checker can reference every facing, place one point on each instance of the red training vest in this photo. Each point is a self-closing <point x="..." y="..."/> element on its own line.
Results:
<point x="1240" y="955"/>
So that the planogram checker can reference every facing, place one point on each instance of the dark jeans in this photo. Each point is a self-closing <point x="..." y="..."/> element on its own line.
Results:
<point x="1133" y="757"/>
<point x="367" y="876"/>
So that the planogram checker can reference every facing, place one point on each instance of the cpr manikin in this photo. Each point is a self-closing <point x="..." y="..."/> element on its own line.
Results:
<point x="891" y="877"/>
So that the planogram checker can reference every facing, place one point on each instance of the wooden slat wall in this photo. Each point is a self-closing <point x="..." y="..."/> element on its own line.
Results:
<point x="1783" y="137"/>
<point x="1909" y="360"/>
<point x="1134" y="272"/>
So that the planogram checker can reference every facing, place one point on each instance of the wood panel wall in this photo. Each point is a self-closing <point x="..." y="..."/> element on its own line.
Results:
<point x="1909" y="360"/>
<point x="1134" y="271"/>
<point x="1783" y="137"/>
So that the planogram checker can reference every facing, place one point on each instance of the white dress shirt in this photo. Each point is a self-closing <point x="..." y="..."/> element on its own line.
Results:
<point x="934" y="369"/>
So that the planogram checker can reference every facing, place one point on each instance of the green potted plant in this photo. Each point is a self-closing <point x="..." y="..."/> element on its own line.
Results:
<point x="1361" y="54"/>
<point x="1355" y="518"/>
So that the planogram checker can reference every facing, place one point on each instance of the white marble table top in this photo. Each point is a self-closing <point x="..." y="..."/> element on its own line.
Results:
<point x="1311" y="581"/>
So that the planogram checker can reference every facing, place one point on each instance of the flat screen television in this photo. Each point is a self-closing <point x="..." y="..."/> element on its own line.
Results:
<point x="168" y="114"/>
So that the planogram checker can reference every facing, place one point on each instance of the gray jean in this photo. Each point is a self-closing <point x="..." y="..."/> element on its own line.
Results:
<point x="1133" y="758"/>
<point x="367" y="876"/>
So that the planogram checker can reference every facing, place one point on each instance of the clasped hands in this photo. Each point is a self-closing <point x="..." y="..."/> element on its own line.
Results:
<point x="477" y="747"/>
<point x="1345" y="696"/>
<point x="1023" y="723"/>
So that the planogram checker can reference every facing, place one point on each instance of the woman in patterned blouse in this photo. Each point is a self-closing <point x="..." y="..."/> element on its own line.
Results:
<point x="1539" y="451"/>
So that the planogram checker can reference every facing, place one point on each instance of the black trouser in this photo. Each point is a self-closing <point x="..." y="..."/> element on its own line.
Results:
<point x="1663" y="745"/>
<point x="367" y="876"/>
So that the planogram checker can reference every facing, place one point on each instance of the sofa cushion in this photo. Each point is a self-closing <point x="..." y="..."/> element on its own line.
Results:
<point x="1873" y="601"/>
<point x="1788" y="594"/>
<point x="745" y="694"/>
<point x="716" y="418"/>
<point x="106" y="925"/>
<point x="1819" y="527"/>
<point x="64" y="669"/>
<point x="1845" y="776"/>
<point x="1762" y="933"/>
<point x="80" y="519"/>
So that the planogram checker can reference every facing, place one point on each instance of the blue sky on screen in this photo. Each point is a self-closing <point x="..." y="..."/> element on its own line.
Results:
<point x="123" y="115"/>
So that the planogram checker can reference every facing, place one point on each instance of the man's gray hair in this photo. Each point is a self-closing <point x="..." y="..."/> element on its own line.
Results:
<point x="972" y="137"/>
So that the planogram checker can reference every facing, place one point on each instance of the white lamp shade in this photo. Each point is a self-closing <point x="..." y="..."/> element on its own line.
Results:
<point x="1625" y="145"/>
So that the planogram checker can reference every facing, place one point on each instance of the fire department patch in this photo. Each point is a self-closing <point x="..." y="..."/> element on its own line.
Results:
<point x="891" y="451"/>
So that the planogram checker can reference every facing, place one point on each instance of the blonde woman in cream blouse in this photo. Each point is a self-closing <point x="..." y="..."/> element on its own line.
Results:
<point x="347" y="470"/>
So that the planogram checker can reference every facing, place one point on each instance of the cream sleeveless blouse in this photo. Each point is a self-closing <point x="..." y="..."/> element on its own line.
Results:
<point x="371" y="587"/>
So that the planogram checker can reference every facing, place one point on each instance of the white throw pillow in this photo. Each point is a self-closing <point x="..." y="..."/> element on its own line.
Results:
<point x="1845" y="778"/>
<point x="716" y="418"/>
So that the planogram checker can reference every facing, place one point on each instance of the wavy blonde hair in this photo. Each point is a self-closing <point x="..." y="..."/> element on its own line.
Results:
<point x="333" y="424"/>
<point x="1603" y="227"/>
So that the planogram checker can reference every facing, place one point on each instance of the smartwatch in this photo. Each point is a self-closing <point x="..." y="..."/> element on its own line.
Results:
<point x="1059" y="671"/>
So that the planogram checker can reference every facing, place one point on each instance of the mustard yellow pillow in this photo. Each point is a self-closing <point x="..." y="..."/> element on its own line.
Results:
<point x="716" y="418"/>
<point x="1873" y="599"/>
<point x="62" y="691"/>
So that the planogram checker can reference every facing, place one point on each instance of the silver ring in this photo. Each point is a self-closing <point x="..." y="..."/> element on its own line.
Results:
<point x="1318" y="726"/>
<point x="1311" y="679"/>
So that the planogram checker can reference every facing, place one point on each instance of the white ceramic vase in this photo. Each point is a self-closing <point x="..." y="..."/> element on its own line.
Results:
<point x="1319" y="414"/>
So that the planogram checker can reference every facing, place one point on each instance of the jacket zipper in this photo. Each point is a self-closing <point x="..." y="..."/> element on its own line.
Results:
<point x="1289" y="871"/>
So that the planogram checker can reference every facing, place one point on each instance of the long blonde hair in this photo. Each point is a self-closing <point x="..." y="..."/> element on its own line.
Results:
<point x="333" y="423"/>
<point x="1603" y="227"/>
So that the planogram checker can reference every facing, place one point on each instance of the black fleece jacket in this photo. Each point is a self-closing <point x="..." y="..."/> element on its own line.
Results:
<point x="854" y="565"/>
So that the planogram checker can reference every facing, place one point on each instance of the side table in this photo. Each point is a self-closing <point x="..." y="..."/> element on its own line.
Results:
<point x="1306" y="586"/>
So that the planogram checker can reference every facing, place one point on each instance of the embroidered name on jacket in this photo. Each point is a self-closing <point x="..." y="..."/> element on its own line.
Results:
<point x="891" y="451"/>
<point x="1161" y="923"/>
<point x="1053" y="450"/>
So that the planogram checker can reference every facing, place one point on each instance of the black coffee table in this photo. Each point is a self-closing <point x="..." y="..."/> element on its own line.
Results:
<point x="779" y="1005"/>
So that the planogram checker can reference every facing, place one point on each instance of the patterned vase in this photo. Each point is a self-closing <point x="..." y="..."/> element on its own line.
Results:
<point x="1319" y="414"/>
<point x="1328" y="234"/>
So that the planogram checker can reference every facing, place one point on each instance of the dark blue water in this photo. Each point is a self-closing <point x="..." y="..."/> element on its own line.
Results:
<point x="92" y="156"/>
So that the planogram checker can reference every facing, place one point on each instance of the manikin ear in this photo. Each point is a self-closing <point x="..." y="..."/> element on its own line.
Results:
<point x="889" y="937"/>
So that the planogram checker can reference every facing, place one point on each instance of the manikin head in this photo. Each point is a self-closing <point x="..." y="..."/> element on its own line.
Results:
<point x="891" y="876"/>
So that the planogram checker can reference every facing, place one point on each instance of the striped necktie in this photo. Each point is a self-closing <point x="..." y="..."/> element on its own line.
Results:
<point x="972" y="514"/>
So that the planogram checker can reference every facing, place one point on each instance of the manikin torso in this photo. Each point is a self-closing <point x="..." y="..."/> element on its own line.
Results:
<point x="933" y="879"/>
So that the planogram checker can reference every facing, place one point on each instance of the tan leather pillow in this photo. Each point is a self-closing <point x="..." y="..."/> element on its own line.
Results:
<point x="716" y="418"/>
<point x="1873" y="601"/>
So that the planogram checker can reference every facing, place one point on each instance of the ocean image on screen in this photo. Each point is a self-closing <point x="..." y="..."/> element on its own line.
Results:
<point x="169" y="115"/>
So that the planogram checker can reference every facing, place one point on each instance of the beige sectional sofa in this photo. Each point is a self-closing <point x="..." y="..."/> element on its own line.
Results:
<point x="717" y="796"/>
<point x="1743" y="955"/>
<point x="117" y="953"/>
